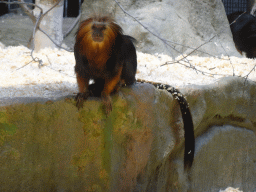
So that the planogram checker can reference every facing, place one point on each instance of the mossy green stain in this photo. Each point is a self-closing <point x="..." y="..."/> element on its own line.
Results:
<point x="102" y="132"/>
<point x="6" y="129"/>
<point x="108" y="143"/>
<point x="42" y="140"/>
<point x="40" y="129"/>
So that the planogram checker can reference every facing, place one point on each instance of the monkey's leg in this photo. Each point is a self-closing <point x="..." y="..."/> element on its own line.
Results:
<point x="120" y="84"/>
<point x="83" y="84"/>
<point x="109" y="87"/>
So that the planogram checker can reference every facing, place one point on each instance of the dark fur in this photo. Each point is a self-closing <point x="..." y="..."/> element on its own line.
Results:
<point x="244" y="32"/>
<point x="121" y="55"/>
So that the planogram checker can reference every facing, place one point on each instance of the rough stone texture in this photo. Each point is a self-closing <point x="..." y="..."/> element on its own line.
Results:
<point x="186" y="22"/>
<point x="51" y="146"/>
<point x="51" y="24"/>
<point x="228" y="153"/>
<point x="225" y="118"/>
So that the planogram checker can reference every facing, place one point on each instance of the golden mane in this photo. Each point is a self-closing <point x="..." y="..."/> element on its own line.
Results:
<point x="97" y="53"/>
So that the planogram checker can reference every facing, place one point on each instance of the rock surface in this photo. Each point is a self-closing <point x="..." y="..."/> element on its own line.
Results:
<point x="53" y="146"/>
<point x="183" y="22"/>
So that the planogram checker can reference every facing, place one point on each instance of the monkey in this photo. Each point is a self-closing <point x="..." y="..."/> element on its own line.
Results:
<point x="103" y="54"/>
<point x="187" y="121"/>
<point x="108" y="57"/>
<point x="244" y="32"/>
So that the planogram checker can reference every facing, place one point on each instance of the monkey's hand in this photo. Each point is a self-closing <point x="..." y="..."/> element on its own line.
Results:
<point x="80" y="98"/>
<point x="107" y="103"/>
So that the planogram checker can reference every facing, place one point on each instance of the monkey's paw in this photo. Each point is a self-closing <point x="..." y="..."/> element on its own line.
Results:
<point x="80" y="98"/>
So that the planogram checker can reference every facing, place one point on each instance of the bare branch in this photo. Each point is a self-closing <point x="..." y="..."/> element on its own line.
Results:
<point x="197" y="70"/>
<point x="42" y="15"/>
<point x="27" y="10"/>
<point x="59" y="71"/>
<point x="204" y="44"/>
<point x="191" y="48"/>
<point x="52" y="7"/>
<point x="72" y="26"/>
<point x="163" y="40"/>
<point x="54" y="41"/>
<point x="229" y="60"/>
<point x="23" y="66"/>
<point x="184" y="58"/>
<point x="21" y="3"/>
<point x="35" y="28"/>
<point x="253" y="69"/>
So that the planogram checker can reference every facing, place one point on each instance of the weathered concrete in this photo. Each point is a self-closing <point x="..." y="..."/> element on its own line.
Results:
<point x="51" y="146"/>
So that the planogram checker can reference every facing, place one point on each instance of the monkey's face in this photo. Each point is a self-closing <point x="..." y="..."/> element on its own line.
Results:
<point x="97" y="34"/>
<point x="97" y="31"/>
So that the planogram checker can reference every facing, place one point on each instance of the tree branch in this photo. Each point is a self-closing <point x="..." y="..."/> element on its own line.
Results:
<point x="72" y="26"/>
<point x="162" y="39"/>
<point x="54" y="41"/>
<point x="27" y="10"/>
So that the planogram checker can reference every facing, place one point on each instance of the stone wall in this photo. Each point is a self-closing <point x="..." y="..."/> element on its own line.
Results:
<point x="51" y="146"/>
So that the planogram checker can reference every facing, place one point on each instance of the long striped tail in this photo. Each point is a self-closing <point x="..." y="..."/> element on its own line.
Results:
<point x="187" y="121"/>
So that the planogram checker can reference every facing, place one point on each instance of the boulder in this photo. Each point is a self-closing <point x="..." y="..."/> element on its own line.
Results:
<point x="184" y="25"/>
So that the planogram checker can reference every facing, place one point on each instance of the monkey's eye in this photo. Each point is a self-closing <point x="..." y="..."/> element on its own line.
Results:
<point x="98" y="27"/>
<point x="104" y="19"/>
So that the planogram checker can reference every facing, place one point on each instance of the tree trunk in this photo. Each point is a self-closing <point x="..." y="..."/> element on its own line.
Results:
<point x="50" y="24"/>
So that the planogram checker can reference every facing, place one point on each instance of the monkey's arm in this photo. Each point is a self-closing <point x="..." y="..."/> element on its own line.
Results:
<point x="82" y="78"/>
<point x="83" y="84"/>
<point x="110" y="85"/>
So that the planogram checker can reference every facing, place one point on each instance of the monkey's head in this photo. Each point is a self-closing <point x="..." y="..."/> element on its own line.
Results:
<point x="96" y="37"/>
<point x="98" y="29"/>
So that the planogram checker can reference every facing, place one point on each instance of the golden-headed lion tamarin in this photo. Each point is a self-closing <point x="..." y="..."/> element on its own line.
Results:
<point x="105" y="55"/>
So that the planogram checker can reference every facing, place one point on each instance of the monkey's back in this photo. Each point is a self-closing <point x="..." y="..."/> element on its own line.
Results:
<point x="244" y="32"/>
